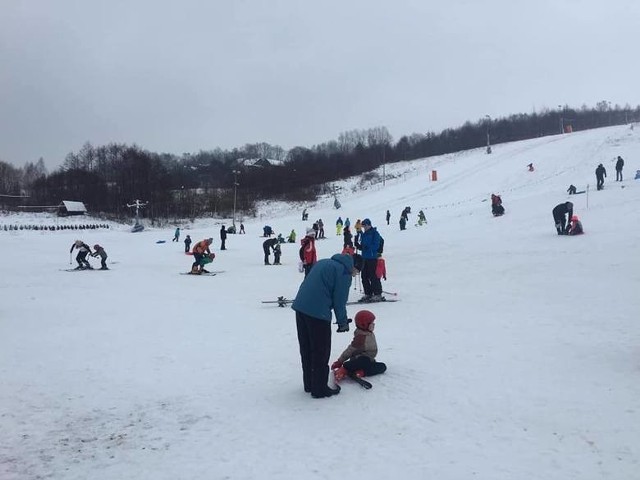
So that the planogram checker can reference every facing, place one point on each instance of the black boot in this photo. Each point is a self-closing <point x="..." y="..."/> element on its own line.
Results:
<point x="327" y="391"/>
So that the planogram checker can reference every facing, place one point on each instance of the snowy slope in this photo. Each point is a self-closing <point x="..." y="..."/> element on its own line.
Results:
<point x="513" y="353"/>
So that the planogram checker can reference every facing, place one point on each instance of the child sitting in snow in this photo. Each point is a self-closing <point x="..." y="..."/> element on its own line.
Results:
<point x="575" y="227"/>
<point x="359" y="358"/>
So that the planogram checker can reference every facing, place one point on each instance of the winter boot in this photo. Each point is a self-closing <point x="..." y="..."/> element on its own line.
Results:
<point x="327" y="391"/>
<point x="365" y="299"/>
<point x="378" y="298"/>
<point x="195" y="271"/>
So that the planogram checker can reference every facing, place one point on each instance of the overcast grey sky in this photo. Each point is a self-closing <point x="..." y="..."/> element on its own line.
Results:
<point x="182" y="76"/>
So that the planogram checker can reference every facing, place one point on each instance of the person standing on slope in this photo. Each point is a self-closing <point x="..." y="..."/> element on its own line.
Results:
<point x="369" y="242"/>
<point x="223" y="238"/>
<point x="187" y="244"/>
<point x="307" y="252"/>
<point x="601" y="173"/>
<point x="619" y="165"/>
<point x="326" y="288"/>
<point x="98" y="250"/>
<point x="267" y="246"/>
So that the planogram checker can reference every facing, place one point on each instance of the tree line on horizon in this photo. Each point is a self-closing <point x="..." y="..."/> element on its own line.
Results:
<point x="215" y="182"/>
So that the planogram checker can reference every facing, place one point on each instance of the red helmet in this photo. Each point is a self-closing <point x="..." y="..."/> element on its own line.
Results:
<point x="575" y="218"/>
<point x="364" y="319"/>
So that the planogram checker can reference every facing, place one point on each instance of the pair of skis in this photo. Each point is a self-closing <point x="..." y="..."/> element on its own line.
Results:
<point x="283" y="302"/>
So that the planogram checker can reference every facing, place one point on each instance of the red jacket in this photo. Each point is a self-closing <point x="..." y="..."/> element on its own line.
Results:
<point x="308" y="253"/>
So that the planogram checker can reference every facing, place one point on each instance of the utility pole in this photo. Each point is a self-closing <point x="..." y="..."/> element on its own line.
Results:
<point x="488" y="134"/>
<point x="384" y="165"/>
<point x="235" y="196"/>
<point x="560" y="112"/>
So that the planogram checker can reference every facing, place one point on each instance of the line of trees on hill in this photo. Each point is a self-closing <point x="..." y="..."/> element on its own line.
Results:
<point x="108" y="177"/>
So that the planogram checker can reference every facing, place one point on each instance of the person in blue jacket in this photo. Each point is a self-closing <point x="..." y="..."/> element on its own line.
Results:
<point x="324" y="289"/>
<point x="370" y="243"/>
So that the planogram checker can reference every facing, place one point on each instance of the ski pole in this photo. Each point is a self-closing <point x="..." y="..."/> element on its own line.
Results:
<point x="69" y="258"/>
<point x="391" y="293"/>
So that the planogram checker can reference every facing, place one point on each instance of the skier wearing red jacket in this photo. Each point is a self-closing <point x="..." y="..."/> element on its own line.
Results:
<point x="308" y="254"/>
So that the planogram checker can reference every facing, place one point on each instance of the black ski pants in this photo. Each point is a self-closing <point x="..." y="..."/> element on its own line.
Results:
<point x="314" y="337"/>
<point x="618" y="175"/>
<point x="560" y="220"/>
<point x="370" y="283"/>
<point x="600" y="182"/>
<point x="364" y="363"/>
<point x="81" y="258"/>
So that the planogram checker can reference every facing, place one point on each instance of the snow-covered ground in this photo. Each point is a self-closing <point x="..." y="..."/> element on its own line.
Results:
<point x="514" y="353"/>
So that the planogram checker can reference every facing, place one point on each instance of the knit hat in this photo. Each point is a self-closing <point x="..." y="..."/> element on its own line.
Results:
<point x="311" y="232"/>
<point x="364" y="319"/>
<point x="358" y="262"/>
<point x="209" y="240"/>
<point x="366" y="221"/>
<point x="96" y="246"/>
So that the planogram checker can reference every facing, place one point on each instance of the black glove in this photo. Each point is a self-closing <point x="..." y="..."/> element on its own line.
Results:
<point x="343" y="328"/>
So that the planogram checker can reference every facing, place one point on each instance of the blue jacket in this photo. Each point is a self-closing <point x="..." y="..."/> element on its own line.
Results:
<point x="370" y="243"/>
<point x="326" y="287"/>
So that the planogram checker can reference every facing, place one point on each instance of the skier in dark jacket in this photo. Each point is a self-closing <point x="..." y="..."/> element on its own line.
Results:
<point x="223" y="238"/>
<point x="562" y="213"/>
<point x="267" y="246"/>
<point x="81" y="258"/>
<point x="324" y="290"/>
<point x="187" y="244"/>
<point x="388" y="216"/>
<point x="348" y="238"/>
<point x="600" y="174"/>
<point x="619" y="165"/>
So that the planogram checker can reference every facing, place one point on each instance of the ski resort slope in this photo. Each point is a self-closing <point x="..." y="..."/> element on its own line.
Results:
<point x="512" y="354"/>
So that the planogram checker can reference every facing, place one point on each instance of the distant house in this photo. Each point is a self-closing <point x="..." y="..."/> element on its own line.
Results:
<point x="67" y="208"/>
<point x="260" y="162"/>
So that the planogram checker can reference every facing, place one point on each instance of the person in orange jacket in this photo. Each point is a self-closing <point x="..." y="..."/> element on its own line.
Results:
<point x="199" y="250"/>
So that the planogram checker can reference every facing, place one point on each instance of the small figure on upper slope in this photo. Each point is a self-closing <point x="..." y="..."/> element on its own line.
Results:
<point x="601" y="173"/>
<point x="496" y="205"/>
<point x="267" y="231"/>
<point x="176" y="235"/>
<point x="388" y="216"/>
<point x="572" y="190"/>
<point x="292" y="237"/>
<point x="359" y="358"/>
<point x="530" y="167"/>
<point x="422" y="219"/>
<point x="339" y="225"/>
<point x="305" y="215"/>
<point x="98" y="250"/>
<point x="619" y="165"/>
<point x="223" y="238"/>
